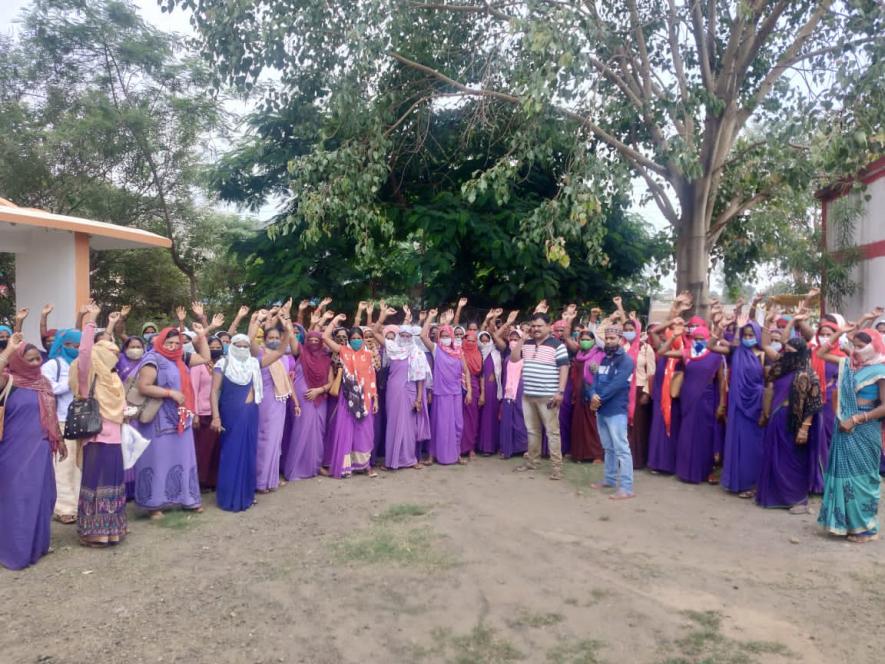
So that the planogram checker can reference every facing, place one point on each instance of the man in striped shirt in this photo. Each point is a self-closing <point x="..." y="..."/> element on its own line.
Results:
<point x="544" y="374"/>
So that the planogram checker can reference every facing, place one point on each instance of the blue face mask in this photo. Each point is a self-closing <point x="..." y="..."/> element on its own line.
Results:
<point x="356" y="344"/>
<point x="749" y="343"/>
<point x="630" y="336"/>
<point x="224" y="348"/>
<point x="300" y="338"/>
<point x="699" y="345"/>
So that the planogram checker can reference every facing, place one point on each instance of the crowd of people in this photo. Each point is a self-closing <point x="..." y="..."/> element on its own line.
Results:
<point x="774" y="412"/>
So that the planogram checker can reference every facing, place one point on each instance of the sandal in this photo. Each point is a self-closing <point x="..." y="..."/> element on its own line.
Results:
<point x="746" y="495"/>
<point x="372" y="473"/>
<point x="863" y="539"/>
<point x="462" y="461"/>
<point x="66" y="519"/>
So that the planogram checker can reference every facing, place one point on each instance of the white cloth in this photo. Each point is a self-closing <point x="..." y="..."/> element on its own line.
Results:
<point x="56" y="371"/>
<point x="240" y="367"/>
<point x="419" y="368"/>
<point x="133" y="444"/>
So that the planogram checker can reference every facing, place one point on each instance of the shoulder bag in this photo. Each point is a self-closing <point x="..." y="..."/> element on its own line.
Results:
<point x="84" y="417"/>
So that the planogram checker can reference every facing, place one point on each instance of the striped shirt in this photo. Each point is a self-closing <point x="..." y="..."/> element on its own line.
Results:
<point x="540" y="371"/>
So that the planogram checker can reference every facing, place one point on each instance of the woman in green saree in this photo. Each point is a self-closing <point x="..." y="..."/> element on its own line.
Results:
<point x="851" y="483"/>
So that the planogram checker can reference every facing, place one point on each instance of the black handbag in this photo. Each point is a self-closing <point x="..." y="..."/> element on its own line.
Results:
<point x="84" y="417"/>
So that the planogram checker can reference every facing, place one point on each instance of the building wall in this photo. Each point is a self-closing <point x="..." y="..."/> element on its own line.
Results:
<point x="869" y="237"/>
<point x="46" y="273"/>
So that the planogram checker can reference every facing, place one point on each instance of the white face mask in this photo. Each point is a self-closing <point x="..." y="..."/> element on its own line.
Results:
<point x="239" y="353"/>
<point x="485" y="344"/>
<point x="777" y="346"/>
<point x="446" y="341"/>
<point x="866" y="353"/>
<point x="135" y="353"/>
<point x="458" y="343"/>
<point x="845" y="344"/>
<point x="404" y="342"/>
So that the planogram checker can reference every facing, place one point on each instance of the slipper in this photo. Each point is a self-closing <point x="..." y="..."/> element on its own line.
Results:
<point x="746" y="495"/>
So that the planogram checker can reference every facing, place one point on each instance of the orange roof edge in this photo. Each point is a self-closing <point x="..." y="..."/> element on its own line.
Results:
<point x="11" y="213"/>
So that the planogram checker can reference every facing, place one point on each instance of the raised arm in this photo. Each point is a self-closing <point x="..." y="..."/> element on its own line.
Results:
<point x="200" y="313"/>
<point x="271" y="356"/>
<point x="44" y="321"/>
<point x="87" y="341"/>
<point x="201" y="344"/>
<point x="327" y="333"/>
<point x="358" y="314"/>
<point x="569" y="315"/>
<point x="20" y="316"/>
<point x="425" y="330"/>
<point x="500" y="334"/>
<point x="462" y="302"/>
<point x="14" y="343"/>
<point x="235" y="323"/>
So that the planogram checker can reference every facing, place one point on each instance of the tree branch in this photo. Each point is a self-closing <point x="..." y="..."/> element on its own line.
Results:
<point x="624" y="149"/>
<point x="485" y="8"/>
<point x="733" y="209"/>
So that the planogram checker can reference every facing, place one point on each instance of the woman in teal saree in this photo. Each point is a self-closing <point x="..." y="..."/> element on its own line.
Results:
<point x="851" y="483"/>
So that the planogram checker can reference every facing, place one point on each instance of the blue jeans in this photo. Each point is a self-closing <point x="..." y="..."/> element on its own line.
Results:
<point x="613" y="432"/>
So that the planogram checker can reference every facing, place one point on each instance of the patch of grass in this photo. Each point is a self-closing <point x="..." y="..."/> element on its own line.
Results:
<point x="480" y="646"/>
<point x="571" y="601"/>
<point x="525" y="618"/>
<point x="384" y="544"/>
<point x="402" y="512"/>
<point x="597" y="595"/>
<point x="705" y="644"/>
<point x="583" y="651"/>
<point x="177" y="520"/>
<point x="582" y="475"/>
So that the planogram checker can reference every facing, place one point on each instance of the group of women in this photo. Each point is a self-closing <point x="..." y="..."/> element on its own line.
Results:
<point x="775" y="412"/>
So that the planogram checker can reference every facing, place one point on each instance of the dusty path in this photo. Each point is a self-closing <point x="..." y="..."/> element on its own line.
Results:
<point x="459" y="564"/>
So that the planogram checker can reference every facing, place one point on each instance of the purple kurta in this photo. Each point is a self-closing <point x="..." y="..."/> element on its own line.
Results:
<point x="743" y="435"/>
<point x="27" y="483"/>
<point x="447" y="414"/>
<point x="402" y="419"/>
<point x="783" y="477"/>
<point x="513" y="436"/>
<point x="821" y="433"/>
<point x="166" y="472"/>
<point x="352" y="441"/>
<point x="661" y="446"/>
<point x="304" y="455"/>
<point x="697" y="434"/>
<point x="488" y="412"/>
<point x="271" y="422"/>
<point x="470" y="430"/>
<point x="565" y="418"/>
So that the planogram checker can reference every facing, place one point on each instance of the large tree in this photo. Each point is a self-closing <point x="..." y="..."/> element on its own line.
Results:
<point x="435" y="243"/>
<point x="104" y="116"/>
<point x="666" y="87"/>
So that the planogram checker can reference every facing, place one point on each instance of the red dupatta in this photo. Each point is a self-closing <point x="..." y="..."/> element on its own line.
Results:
<point x="184" y="374"/>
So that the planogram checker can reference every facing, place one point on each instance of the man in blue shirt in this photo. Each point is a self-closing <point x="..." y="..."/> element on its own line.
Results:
<point x="609" y="396"/>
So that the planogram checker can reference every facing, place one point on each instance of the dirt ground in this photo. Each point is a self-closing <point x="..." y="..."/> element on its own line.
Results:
<point x="457" y="564"/>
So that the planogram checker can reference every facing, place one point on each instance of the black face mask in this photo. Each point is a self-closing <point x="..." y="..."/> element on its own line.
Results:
<point x="216" y="353"/>
<point x="611" y="350"/>
<point x="4" y="343"/>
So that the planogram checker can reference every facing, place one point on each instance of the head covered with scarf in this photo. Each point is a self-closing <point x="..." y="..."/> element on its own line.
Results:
<point x="176" y="356"/>
<point x="239" y="367"/>
<point x="805" y="390"/>
<point x="471" y="353"/>
<point x="58" y="348"/>
<point x="451" y="349"/>
<point x="315" y="361"/>
<point x="28" y="376"/>
<point x="109" y="390"/>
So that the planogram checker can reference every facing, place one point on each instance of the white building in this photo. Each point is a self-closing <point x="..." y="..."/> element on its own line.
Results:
<point x="52" y="258"/>
<point x="852" y="218"/>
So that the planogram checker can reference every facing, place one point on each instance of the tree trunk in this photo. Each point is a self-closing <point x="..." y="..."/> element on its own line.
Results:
<point x="692" y="257"/>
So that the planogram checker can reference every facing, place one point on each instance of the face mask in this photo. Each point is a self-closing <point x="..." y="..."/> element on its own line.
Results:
<point x="513" y="344"/>
<point x="446" y="341"/>
<point x="135" y="353"/>
<point x="4" y="343"/>
<point x="403" y="342"/>
<point x="458" y="342"/>
<point x="699" y="345"/>
<point x="300" y="338"/>
<point x="216" y="353"/>
<point x="865" y="354"/>
<point x="845" y="344"/>
<point x="356" y="344"/>
<point x="485" y="344"/>
<point x="777" y="346"/>
<point x="728" y="336"/>
<point x="225" y="348"/>
<point x="587" y="344"/>
<point x="272" y="345"/>
<point x="239" y="353"/>
<point x="749" y="343"/>
<point x="630" y="336"/>
<point x="189" y="348"/>
<point x="611" y="350"/>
